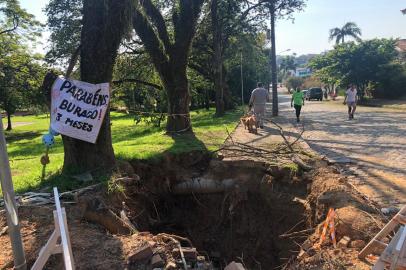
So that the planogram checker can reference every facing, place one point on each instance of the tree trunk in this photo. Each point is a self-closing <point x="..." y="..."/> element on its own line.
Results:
<point x="206" y="99"/>
<point x="103" y="26"/>
<point x="217" y="59"/>
<point x="275" y="110"/>
<point x="227" y="95"/>
<point x="9" y="127"/>
<point x="178" y="102"/>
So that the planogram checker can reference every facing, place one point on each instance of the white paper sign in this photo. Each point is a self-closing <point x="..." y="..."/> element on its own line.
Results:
<point x="78" y="108"/>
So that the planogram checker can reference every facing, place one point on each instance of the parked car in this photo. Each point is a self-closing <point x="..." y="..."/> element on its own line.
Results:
<point x="314" y="93"/>
<point x="305" y="92"/>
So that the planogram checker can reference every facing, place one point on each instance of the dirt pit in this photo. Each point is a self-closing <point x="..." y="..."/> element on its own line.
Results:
<point x="233" y="210"/>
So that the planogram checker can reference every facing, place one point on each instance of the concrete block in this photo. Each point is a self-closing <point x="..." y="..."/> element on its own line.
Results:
<point x="343" y="243"/>
<point x="357" y="244"/>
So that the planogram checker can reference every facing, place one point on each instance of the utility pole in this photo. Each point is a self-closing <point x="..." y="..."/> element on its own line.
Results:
<point x="275" y="109"/>
<point x="10" y="205"/>
<point x="242" y="84"/>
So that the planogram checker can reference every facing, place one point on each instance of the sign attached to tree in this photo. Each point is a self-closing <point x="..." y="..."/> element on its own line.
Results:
<point x="78" y="108"/>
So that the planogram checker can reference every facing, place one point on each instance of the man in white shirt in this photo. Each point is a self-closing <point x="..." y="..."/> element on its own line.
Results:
<point x="351" y="101"/>
<point x="259" y="98"/>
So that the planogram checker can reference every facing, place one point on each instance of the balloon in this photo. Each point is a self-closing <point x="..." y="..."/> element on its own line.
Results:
<point x="53" y="132"/>
<point x="48" y="140"/>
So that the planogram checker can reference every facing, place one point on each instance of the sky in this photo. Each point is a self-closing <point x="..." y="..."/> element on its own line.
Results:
<point x="310" y="30"/>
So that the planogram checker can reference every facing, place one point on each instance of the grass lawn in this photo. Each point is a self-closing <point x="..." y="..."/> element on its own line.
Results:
<point x="130" y="141"/>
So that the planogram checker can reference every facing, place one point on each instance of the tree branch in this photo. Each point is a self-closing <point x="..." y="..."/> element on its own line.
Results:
<point x="156" y="17"/>
<point x="148" y="36"/>
<point x="138" y="81"/>
<point x="15" y="25"/>
<point x="185" y="23"/>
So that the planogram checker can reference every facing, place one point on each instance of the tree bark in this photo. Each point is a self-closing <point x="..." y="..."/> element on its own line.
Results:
<point x="178" y="102"/>
<point x="9" y="127"/>
<point x="217" y="59"/>
<point x="275" y="109"/>
<point x="104" y="23"/>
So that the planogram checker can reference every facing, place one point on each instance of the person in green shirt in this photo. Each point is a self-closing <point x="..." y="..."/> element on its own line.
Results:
<point x="298" y="101"/>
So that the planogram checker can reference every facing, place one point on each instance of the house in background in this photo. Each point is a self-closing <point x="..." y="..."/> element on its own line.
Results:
<point x="401" y="45"/>
<point x="401" y="48"/>
<point x="303" y="72"/>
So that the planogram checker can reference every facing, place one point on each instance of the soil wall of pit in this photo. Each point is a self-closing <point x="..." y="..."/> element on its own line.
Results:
<point x="239" y="218"/>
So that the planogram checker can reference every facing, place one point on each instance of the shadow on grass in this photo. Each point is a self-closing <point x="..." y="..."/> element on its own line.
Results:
<point x="12" y="137"/>
<point x="131" y="133"/>
<point x="203" y="120"/>
<point x="185" y="143"/>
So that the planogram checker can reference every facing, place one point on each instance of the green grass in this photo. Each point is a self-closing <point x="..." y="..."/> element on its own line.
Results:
<point x="130" y="141"/>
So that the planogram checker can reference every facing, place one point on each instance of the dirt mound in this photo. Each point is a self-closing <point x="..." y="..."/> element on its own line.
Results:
<point x="356" y="218"/>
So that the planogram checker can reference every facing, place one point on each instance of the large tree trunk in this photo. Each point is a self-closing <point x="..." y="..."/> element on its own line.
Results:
<point x="103" y="26"/>
<point x="275" y="109"/>
<point x="217" y="59"/>
<point x="178" y="102"/>
<point x="9" y="127"/>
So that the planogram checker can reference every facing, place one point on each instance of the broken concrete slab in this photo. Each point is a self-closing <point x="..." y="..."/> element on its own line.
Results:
<point x="234" y="266"/>
<point x="156" y="261"/>
<point x="143" y="253"/>
<point x="189" y="253"/>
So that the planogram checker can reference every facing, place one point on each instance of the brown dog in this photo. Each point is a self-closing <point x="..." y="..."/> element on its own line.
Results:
<point x="250" y="122"/>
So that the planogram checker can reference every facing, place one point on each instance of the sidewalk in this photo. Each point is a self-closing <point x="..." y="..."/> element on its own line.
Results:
<point x="267" y="139"/>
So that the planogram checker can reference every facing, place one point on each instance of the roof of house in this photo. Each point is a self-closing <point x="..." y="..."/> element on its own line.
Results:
<point x="401" y="45"/>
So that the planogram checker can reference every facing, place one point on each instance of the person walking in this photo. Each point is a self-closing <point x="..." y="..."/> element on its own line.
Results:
<point x="297" y="101"/>
<point x="258" y="100"/>
<point x="351" y="101"/>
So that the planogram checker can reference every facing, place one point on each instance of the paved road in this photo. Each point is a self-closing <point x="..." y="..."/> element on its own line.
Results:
<point x="371" y="148"/>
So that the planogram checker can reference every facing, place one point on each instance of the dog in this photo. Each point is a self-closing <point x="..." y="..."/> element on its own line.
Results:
<point x="250" y="122"/>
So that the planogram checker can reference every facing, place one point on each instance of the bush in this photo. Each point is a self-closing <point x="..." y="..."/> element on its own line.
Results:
<point x="294" y="83"/>
<point x="391" y="82"/>
<point x="312" y="81"/>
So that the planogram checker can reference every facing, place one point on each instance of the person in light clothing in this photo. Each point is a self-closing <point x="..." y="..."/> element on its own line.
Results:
<point x="258" y="100"/>
<point x="351" y="101"/>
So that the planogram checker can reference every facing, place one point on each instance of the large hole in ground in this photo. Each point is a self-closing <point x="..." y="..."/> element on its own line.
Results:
<point x="239" y="218"/>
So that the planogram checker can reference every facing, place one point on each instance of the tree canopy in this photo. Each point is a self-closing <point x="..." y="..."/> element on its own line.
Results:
<point x="16" y="20"/>
<point x="20" y="69"/>
<point x="371" y="65"/>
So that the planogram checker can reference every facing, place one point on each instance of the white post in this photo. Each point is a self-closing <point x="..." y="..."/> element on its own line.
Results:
<point x="64" y="240"/>
<point x="52" y="246"/>
<point x="10" y="205"/>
